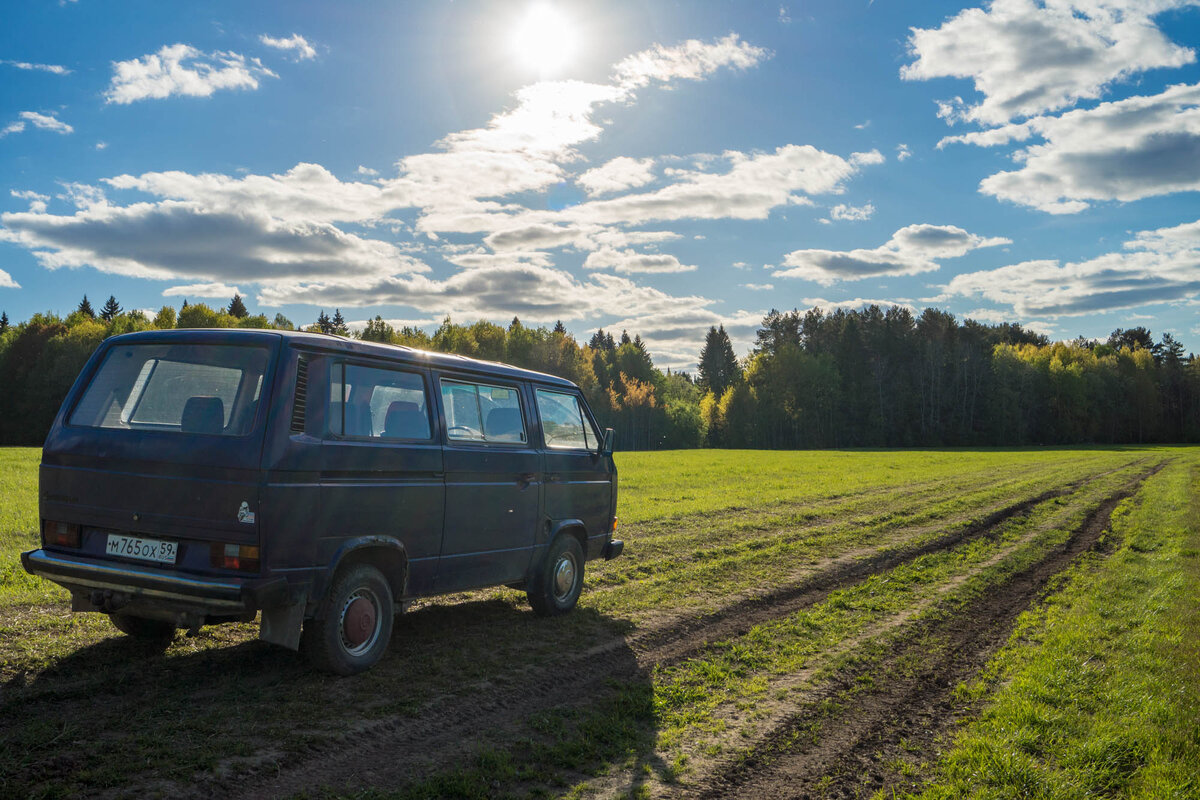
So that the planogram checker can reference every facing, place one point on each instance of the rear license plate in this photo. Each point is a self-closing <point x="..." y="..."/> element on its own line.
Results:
<point x="145" y="549"/>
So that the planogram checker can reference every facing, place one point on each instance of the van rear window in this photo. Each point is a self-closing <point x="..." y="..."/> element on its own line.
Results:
<point x="188" y="388"/>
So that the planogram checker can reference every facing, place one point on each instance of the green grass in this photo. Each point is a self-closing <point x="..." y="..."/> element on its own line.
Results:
<point x="1099" y="693"/>
<point x="19" y="527"/>
<point x="703" y="530"/>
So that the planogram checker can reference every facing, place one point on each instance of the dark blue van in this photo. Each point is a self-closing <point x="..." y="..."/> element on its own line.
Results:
<point x="195" y="477"/>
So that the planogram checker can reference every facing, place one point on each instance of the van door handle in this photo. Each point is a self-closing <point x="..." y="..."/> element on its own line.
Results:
<point x="526" y="478"/>
<point x="553" y="478"/>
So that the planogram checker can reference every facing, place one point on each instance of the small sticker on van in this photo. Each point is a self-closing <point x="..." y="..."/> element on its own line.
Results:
<point x="245" y="514"/>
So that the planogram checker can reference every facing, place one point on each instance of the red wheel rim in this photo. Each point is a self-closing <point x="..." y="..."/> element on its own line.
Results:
<point x="358" y="623"/>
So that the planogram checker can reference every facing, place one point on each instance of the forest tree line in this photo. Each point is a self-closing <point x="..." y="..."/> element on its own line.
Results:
<point x="846" y="378"/>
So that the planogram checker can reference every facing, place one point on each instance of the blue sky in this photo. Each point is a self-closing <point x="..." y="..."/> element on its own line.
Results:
<point x="651" y="166"/>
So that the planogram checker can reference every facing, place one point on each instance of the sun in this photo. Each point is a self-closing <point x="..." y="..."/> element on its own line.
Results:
<point x="544" y="39"/>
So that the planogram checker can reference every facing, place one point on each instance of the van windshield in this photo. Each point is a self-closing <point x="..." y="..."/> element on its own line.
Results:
<point x="175" y="388"/>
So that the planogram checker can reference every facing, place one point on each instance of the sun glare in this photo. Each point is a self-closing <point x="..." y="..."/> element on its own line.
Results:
<point x="544" y="39"/>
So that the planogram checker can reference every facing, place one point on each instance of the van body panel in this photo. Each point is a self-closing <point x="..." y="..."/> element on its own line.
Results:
<point x="493" y="500"/>
<point x="379" y="489"/>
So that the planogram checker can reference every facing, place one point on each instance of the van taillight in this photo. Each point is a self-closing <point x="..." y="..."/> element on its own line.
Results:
<point x="60" y="534"/>
<point x="234" y="556"/>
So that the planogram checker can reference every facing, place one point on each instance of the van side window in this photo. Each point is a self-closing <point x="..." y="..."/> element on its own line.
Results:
<point x="477" y="412"/>
<point x="378" y="403"/>
<point x="564" y="425"/>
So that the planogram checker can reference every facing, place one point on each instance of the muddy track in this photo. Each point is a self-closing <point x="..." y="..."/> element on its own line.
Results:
<point x="844" y="752"/>
<point x="397" y="750"/>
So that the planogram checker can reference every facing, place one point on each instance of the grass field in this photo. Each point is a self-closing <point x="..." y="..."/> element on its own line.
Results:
<point x="936" y="624"/>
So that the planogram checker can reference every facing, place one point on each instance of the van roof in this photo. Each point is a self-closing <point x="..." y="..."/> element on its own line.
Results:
<point x="340" y="344"/>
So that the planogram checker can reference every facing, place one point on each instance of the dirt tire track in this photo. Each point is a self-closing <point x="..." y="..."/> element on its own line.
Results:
<point x="915" y="710"/>
<point x="396" y="750"/>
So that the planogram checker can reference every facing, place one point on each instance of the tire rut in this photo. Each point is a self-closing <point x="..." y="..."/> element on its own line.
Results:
<point x="397" y="750"/>
<point x="814" y="755"/>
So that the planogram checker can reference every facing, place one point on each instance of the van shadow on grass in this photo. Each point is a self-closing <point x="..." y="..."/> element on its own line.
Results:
<point x="474" y="697"/>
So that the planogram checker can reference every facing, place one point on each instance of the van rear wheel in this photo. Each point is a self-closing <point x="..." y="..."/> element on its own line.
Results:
<point x="555" y="588"/>
<point x="354" y="625"/>
<point x="143" y="628"/>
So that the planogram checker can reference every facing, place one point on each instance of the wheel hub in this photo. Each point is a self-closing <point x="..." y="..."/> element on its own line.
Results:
<point x="564" y="577"/>
<point x="358" y="623"/>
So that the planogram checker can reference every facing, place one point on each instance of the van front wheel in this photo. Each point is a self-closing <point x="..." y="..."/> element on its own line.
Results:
<point x="555" y="588"/>
<point x="352" y="631"/>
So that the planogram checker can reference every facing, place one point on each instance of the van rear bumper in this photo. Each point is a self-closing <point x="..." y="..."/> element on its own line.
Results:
<point x="212" y="595"/>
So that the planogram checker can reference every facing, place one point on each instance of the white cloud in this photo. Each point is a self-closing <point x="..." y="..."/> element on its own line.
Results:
<point x="852" y="213"/>
<point x="758" y="287"/>
<point x="753" y="185"/>
<point x="1027" y="57"/>
<point x="617" y="175"/>
<point x="855" y="303"/>
<point x="911" y="250"/>
<point x="366" y="171"/>
<point x="101" y="145"/>
<point x="1155" y="267"/>
<point x="1123" y="150"/>
<point x="693" y="60"/>
<point x="869" y="157"/>
<point x="676" y="336"/>
<point x="25" y="65"/>
<point x="297" y="43"/>
<point x="6" y="281"/>
<point x="628" y="262"/>
<point x="181" y="69"/>
<point x="42" y="121"/>
<point x="533" y="292"/>
<point x="219" y="291"/>
<point x="37" y="202"/>
<point x="902" y="152"/>
<point x="174" y="239"/>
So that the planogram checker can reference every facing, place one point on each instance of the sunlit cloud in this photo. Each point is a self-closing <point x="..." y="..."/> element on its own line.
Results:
<point x="911" y="250"/>
<point x="215" y="291"/>
<point x="296" y="43"/>
<point x="1155" y="267"/>
<point x="25" y="65"/>
<point x="1027" y="58"/>
<point x="180" y="69"/>
<point x="693" y="60"/>
<point x="46" y="122"/>
<point x="1121" y="150"/>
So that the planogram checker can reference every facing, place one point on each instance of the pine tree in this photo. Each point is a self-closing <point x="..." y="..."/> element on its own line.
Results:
<point x="338" y="326"/>
<point x="85" y="307"/>
<point x="560" y="328"/>
<point x="323" y="323"/>
<point x="111" y="309"/>
<point x="184" y="303"/>
<point x="237" y="308"/>
<point x="625" y="337"/>
<point x="3" y="321"/>
<point x="719" y="367"/>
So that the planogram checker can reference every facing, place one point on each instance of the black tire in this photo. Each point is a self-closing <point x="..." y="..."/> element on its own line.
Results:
<point x="154" y="630"/>
<point x="354" y="624"/>
<point x="554" y="588"/>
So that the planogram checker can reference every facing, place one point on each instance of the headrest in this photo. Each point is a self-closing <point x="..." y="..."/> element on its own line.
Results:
<point x="504" y="423"/>
<point x="203" y="414"/>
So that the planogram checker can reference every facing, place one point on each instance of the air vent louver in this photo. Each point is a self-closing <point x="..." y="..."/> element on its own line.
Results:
<point x="300" y="401"/>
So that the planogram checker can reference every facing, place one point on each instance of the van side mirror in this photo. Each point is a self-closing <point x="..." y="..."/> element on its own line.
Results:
<point x="606" y="448"/>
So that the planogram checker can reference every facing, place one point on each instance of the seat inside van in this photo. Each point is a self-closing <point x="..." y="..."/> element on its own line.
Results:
<point x="404" y="420"/>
